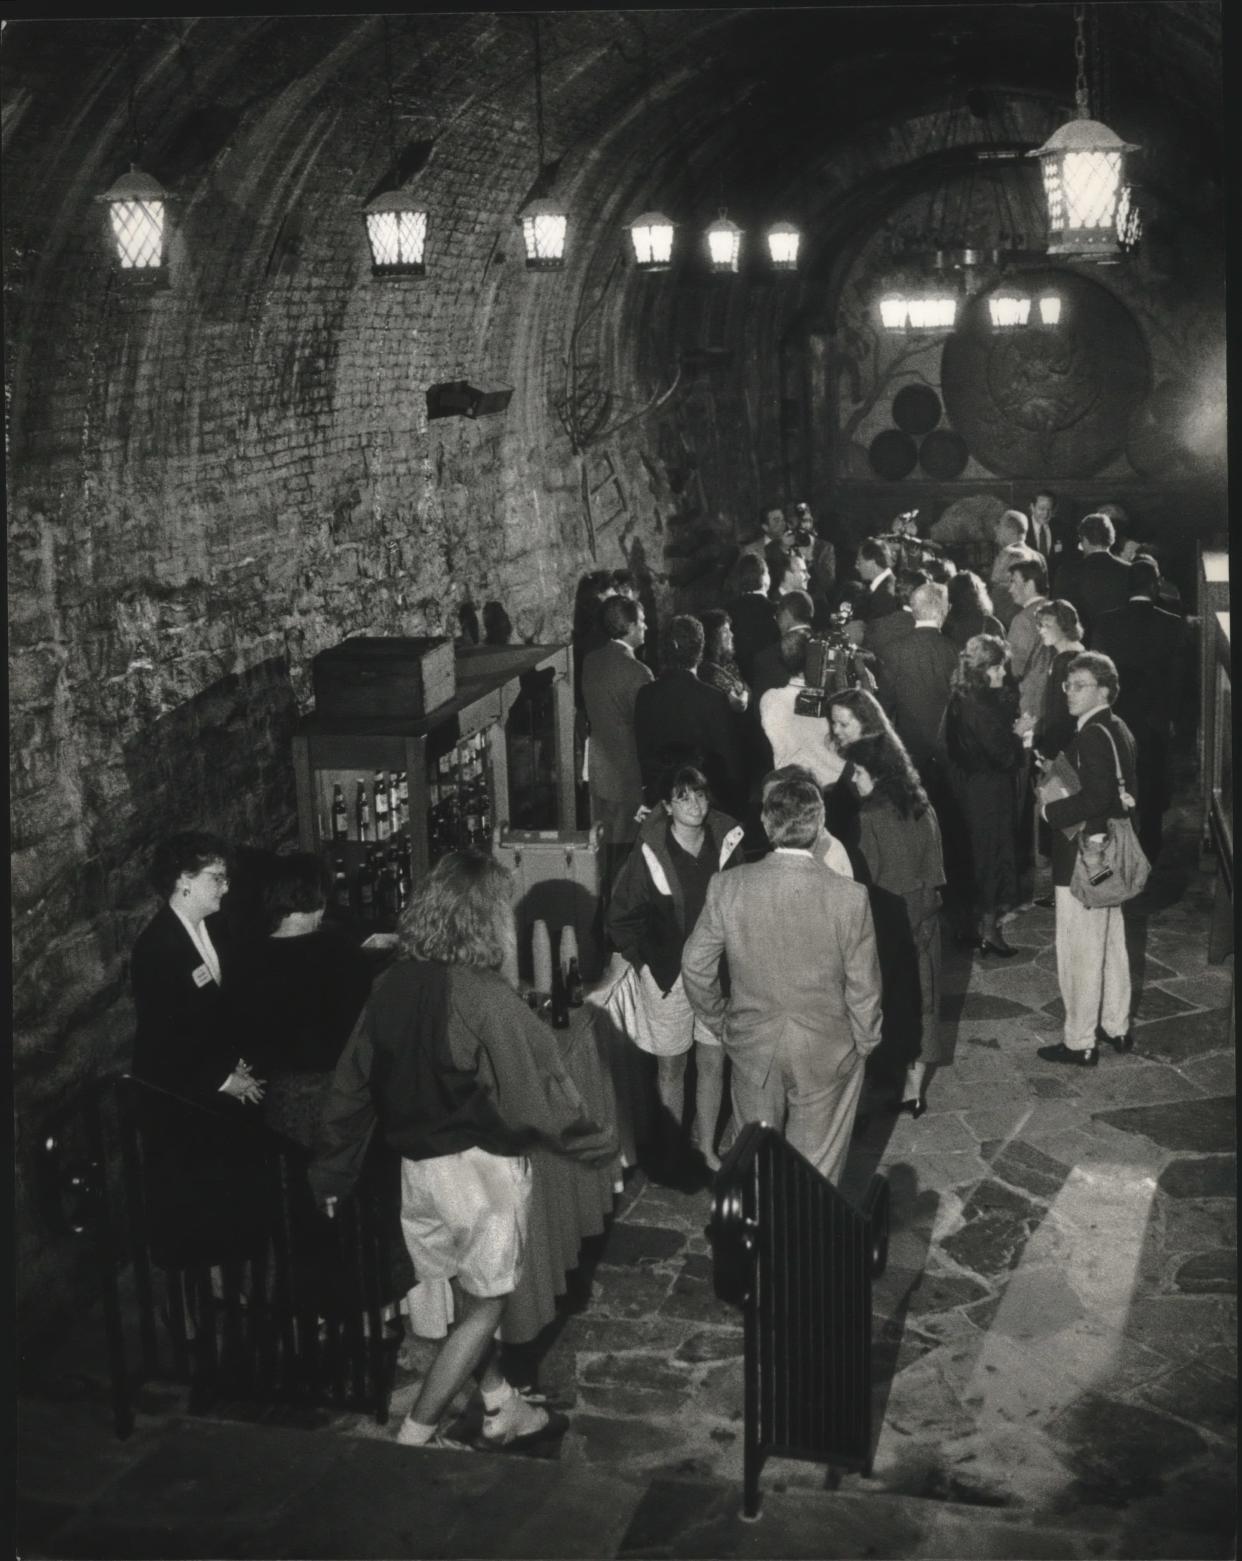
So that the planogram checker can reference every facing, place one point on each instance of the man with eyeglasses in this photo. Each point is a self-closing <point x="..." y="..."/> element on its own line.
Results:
<point x="1092" y="965"/>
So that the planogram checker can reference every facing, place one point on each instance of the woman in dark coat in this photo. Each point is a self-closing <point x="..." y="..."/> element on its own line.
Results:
<point x="970" y="610"/>
<point x="1059" y="628"/>
<point x="200" y="1154"/>
<point x="899" y="844"/>
<point x="297" y="994"/>
<point x="985" y="755"/>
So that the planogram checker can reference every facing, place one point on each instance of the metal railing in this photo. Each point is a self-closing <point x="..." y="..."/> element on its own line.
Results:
<point x="297" y="1320"/>
<point x="798" y="1257"/>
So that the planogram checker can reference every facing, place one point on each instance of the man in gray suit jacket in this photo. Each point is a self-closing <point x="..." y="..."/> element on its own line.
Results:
<point x="611" y="679"/>
<point x="804" y="1004"/>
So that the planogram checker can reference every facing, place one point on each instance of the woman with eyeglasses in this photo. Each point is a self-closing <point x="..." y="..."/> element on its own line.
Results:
<point x="985" y="754"/>
<point x="185" y="1046"/>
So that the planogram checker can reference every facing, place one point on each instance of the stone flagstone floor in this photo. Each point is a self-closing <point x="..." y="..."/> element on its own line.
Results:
<point x="1055" y="1334"/>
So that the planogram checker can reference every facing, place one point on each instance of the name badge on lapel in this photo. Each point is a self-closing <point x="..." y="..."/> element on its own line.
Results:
<point x="202" y="976"/>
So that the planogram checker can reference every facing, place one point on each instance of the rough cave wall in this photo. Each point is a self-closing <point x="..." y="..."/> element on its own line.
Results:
<point x="214" y="479"/>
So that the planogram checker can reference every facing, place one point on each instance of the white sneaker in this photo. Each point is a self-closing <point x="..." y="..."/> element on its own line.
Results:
<point x="439" y="1438"/>
<point x="518" y="1418"/>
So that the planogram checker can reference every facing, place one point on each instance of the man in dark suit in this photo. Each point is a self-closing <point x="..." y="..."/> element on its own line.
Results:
<point x="611" y="679"/>
<point x="1093" y="968"/>
<point x="794" y="611"/>
<point x="874" y="565"/>
<point x="1148" y="647"/>
<point x="1097" y="581"/>
<point x="751" y="613"/>
<point x="916" y="674"/>
<point x="679" y="718"/>
<point x="803" y="1009"/>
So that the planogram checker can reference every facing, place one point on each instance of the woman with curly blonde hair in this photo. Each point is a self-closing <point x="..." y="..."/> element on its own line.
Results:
<point x="462" y="1080"/>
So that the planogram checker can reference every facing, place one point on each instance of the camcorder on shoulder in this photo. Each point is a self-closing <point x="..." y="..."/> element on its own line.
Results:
<point x="833" y="662"/>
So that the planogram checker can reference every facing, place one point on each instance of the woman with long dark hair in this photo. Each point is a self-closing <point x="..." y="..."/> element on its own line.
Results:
<point x="852" y="713"/>
<point x="970" y="610"/>
<point x="718" y="667"/>
<point x="899" y="843"/>
<point x="985" y="756"/>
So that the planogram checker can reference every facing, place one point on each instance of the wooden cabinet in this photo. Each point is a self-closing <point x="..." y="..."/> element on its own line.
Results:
<point x="499" y="752"/>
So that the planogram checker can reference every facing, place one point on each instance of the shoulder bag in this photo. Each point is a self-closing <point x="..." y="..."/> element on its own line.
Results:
<point x="1113" y="870"/>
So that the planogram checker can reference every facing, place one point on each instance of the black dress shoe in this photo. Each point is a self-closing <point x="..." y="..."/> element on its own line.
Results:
<point x="1044" y="901"/>
<point x="913" y="1108"/>
<point x="1063" y="1053"/>
<point x="1119" y="1043"/>
<point x="1001" y="950"/>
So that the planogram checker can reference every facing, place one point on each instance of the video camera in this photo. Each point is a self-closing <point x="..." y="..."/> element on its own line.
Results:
<point x="832" y="663"/>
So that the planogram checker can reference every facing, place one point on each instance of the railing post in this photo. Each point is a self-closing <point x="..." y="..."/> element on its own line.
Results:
<point x="105" y="1252"/>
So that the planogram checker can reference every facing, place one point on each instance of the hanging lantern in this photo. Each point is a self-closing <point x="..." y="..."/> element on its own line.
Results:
<point x="652" y="237"/>
<point x="724" y="245"/>
<point x="397" y="231"/>
<point x="1050" y="309"/>
<point x="1009" y="309"/>
<point x="783" y="242"/>
<point x="1083" y="165"/>
<point x="136" y="205"/>
<point x="544" y="227"/>
<point x="893" y="308"/>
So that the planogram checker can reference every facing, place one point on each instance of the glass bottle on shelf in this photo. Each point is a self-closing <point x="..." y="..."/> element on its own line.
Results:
<point x="403" y="800"/>
<point x="394" y="805"/>
<point x="362" y="810"/>
<point x="388" y="888"/>
<point x="340" y="815"/>
<point x="340" y="884"/>
<point x="366" y="888"/>
<point x="382" y="822"/>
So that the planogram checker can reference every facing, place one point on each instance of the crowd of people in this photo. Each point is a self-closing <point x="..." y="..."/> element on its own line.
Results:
<point x="926" y="706"/>
<point x="824" y="769"/>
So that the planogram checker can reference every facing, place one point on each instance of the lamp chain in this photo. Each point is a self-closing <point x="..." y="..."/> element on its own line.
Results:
<point x="1080" y="57"/>
<point x="392" y="109"/>
<point x="538" y="89"/>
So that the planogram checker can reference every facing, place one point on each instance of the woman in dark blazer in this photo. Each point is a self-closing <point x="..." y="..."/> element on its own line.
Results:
<point x="985" y="754"/>
<point x="1059" y="628"/>
<point x="199" y="1156"/>
<point x="970" y="610"/>
<point x="899" y="843"/>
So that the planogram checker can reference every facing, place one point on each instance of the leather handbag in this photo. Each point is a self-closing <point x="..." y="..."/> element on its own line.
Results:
<point x="1114" y="869"/>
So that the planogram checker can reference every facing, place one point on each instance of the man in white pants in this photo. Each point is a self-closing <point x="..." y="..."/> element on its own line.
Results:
<point x="1092" y="965"/>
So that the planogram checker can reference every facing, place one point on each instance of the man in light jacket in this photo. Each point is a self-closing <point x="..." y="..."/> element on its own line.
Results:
<point x="803" y="1009"/>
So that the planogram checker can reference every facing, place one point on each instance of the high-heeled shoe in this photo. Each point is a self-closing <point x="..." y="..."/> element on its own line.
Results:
<point x="1120" y="1043"/>
<point x="1001" y="950"/>
<point x="913" y="1108"/>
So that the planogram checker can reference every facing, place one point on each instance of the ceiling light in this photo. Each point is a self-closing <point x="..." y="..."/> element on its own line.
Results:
<point x="544" y="226"/>
<point x="783" y="242"/>
<point x="724" y="245"/>
<point x="136" y="207"/>
<point x="651" y="235"/>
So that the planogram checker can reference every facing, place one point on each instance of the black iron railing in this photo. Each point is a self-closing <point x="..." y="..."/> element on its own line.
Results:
<point x="297" y="1319"/>
<point x="798" y="1257"/>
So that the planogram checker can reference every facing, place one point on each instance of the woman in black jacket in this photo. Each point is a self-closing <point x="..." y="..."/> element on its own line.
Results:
<point x="970" y="610"/>
<point x="985" y="755"/>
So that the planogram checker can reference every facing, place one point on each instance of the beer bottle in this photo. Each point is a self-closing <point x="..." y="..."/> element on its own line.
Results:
<point x="340" y="884"/>
<point x="362" y="810"/>
<point x="573" y="984"/>
<point x="560" y="998"/>
<point x="381" y="806"/>
<point x="340" y="816"/>
<point x="366" y="888"/>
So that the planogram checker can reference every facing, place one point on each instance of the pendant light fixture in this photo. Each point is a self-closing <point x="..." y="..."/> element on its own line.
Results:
<point x="784" y="241"/>
<point x="396" y="220"/>
<point x="545" y="222"/>
<point x="1083" y="166"/>
<point x="651" y="235"/>
<point x="724" y="245"/>
<point x="136" y="208"/>
<point x="1050" y="308"/>
<point x="1009" y="308"/>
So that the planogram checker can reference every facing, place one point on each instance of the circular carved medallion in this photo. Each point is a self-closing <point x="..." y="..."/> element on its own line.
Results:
<point x="943" y="455"/>
<point x="1047" y="402"/>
